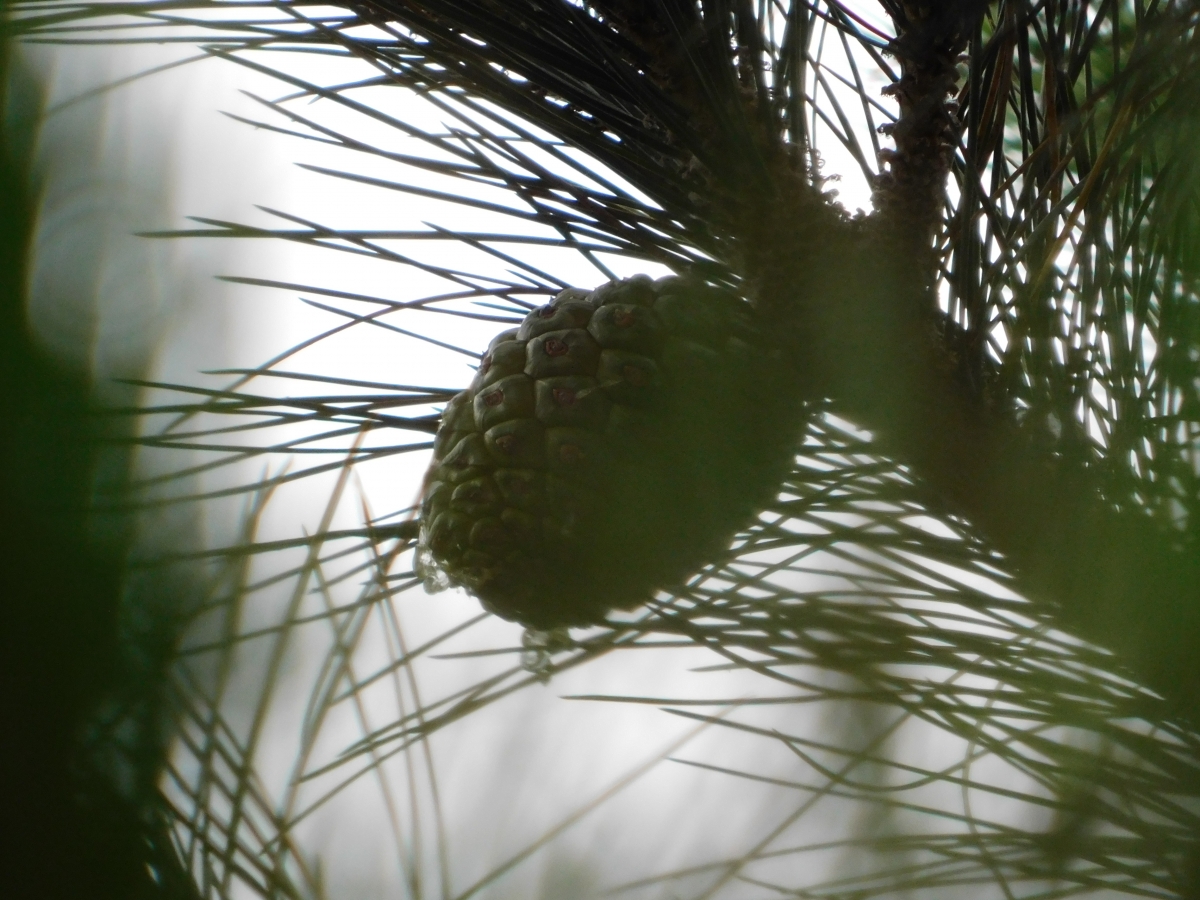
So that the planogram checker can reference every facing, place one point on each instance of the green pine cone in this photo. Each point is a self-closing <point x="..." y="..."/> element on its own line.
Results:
<point x="608" y="447"/>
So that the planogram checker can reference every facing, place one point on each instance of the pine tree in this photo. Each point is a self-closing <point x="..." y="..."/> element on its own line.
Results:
<point x="1012" y="333"/>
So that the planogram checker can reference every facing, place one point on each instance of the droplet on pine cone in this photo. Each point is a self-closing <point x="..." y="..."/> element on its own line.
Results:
<point x="609" y="447"/>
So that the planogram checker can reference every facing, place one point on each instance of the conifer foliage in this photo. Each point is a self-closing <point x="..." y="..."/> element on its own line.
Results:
<point x="1008" y="344"/>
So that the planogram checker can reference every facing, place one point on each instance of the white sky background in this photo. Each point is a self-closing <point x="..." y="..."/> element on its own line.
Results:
<point x="518" y="768"/>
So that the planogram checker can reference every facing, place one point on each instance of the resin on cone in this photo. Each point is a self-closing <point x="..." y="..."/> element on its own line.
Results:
<point x="609" y="447"/>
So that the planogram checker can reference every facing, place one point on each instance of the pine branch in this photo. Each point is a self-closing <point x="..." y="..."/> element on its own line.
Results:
<point x="1116" y="577"/>
<point x="678" y="100"/>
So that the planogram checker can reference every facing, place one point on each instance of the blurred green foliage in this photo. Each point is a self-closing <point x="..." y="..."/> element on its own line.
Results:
<point x="69" y="832"/>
